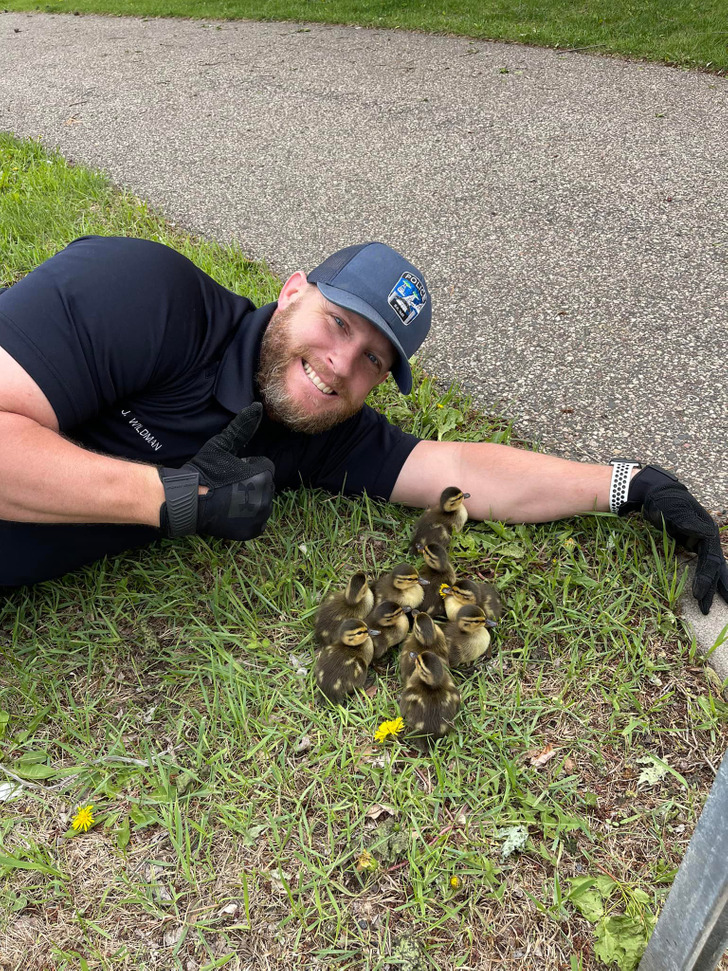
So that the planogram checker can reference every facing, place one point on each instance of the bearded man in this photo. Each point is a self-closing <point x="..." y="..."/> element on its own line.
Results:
<point x="139" y="399"/>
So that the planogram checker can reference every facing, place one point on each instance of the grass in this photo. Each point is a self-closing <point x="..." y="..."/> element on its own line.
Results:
<point x="172" y="691"/>
<point x="690" y="35"/>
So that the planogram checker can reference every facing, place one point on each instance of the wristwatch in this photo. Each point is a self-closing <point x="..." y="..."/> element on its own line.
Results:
<point x="621" y="478"/>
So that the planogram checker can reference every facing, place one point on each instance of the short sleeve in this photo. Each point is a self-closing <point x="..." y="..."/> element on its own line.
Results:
<point x="107" y="317"/>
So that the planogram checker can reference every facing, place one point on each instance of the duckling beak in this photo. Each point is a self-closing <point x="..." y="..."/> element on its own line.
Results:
<point x="414" y="654"/>
<point x="425" y="583"/>
<point x="490" y="623"/>
<point x="466" y="495"/>
<point x="406" y="609"/>
<point x="445" y="591"/>
<point x="373" y="632"/>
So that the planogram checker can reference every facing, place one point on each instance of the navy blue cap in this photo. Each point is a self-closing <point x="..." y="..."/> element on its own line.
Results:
<point x="378" y="283"/>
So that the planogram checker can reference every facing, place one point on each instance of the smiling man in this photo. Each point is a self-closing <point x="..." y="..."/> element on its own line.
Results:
<point x="139" y="398"/>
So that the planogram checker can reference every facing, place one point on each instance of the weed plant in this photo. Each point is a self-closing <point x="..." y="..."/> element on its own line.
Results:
<point x="237" y="823"/>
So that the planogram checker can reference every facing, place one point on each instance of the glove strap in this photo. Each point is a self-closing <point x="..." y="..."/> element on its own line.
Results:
<point x="179" y="512"/>
<point x="621" y="478"/>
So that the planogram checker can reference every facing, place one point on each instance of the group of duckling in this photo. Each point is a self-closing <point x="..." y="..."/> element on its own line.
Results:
<point x="362" y="622"/>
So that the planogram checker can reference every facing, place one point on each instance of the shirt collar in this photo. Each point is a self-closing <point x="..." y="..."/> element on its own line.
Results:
<point x="235" y="386"/>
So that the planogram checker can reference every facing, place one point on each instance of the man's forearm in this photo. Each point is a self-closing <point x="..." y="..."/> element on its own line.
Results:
<point x="44" y="478"/>
<point x="504" y="483"/>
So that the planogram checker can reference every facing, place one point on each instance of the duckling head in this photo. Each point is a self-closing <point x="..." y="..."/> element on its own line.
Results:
<point x="353" y="633"/>
<point x="464" y="591"/>
<point x="452" y="498"/>
<point x="471" y="618"/>
<point x="405" y="576"/>
<point x="430" y="669"/>
<point x="424" y="628"/>
<point x="387" y="613"/>
<point x="435" y="556"/>
<point x="356" y="589"/>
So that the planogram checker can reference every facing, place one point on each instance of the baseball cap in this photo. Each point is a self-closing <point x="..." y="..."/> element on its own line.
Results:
<point x="378" y="283"/>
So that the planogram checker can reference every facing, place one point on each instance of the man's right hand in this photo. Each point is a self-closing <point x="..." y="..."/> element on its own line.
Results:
<point x="239" y="493"/>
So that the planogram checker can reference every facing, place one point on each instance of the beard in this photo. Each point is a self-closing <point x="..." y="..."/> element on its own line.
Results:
<point x="277" y="352"/>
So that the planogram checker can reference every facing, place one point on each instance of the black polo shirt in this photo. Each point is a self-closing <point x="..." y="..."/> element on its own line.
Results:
<point x="142" y="355"/>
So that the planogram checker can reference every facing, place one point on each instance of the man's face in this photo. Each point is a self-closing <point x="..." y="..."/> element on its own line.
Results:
<point x="318" y="362"/>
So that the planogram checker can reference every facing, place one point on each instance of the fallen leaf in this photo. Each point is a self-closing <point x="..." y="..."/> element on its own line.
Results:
<point x="540" y="758"/>
<point x="380" y="809"/>
<point x="371" y="690"/>
<point x="10" y="790"/>
<point x="229" y="911"/>
<point x="303" y="745"/>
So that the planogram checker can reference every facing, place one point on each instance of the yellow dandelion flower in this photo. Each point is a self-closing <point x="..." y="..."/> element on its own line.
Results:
<point x="444" y="588"/>
<point x="440" y="406"/>
<point x="456" y="883"/>
<point x="84" y="818"/>
<point x="386" y="729"/>
<point x="366" y="862"/>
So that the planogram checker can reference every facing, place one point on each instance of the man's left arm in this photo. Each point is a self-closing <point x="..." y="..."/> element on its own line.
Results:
<point x="516" y="485"/>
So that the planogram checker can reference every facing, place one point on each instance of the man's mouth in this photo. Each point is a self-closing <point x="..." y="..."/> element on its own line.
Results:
<point x="316" y="380"/>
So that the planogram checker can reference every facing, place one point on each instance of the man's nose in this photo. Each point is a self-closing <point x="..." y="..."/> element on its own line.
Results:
<point x="342" y="359"/>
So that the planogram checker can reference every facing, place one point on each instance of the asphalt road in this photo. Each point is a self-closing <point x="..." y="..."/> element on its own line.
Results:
<point x="569" y="211"/>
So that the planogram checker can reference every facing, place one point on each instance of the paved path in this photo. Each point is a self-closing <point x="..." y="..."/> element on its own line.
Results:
<point x="569" y="211"/>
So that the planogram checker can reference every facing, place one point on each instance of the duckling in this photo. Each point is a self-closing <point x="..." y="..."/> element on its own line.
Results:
<point x="483" y="595"/>
<point x="438" y="570"/>
<point x="341" y="667"/>
<point x="393" y="624"/>
<point x="430" y="700"/>
<point x="467" y="636"/>
<point x="438" y="523"/>
<point x="425" y="636"/>
<point x="403" y="584"/>
<point x="355" y="601"/>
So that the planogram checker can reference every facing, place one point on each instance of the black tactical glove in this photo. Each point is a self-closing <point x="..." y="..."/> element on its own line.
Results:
<point x="663" y="499"/>
<point x="240" y="490"/>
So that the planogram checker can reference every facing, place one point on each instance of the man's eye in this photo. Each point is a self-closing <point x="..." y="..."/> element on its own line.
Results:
<point x="339" y="322"/>
<point x="373" y="358"/>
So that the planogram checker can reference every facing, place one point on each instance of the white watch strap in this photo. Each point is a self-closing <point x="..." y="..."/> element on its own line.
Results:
<point x="621" y="478"/>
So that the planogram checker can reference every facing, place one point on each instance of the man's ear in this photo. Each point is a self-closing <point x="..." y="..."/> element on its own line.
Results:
<point x="294" y="286"/>
<point x="383" y="378"/>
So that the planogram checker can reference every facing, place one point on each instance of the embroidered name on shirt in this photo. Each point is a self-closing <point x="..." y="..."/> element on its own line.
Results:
<point x="141" y="430"/>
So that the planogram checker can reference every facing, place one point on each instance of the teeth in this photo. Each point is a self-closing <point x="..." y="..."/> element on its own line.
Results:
<point x="316" y="380"/>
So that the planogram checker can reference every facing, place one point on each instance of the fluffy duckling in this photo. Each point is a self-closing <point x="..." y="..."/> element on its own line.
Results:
<point x="355" y="601"/>
<point x="438" y="523"/>
<point x="430" y="700"/>
<point x="403" y="584"/>
<point x="467" y="636"/>
<point x="483" y="595"/>
<point x="425" y="636"/>
<point x="341" y="667"/>
<point x="438" y="570"/>
<point x="392" y="622"/>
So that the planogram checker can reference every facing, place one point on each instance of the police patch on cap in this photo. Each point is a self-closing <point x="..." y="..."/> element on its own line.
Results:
<point x="407" y="297"/>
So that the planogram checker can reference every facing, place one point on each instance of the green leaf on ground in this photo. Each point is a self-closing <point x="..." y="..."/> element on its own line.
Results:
<point x="620" y="941"/>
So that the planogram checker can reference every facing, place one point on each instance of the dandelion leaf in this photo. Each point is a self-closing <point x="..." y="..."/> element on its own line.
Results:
<point x="620" y="941"/>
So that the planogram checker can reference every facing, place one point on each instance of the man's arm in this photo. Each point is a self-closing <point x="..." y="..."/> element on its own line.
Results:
<point x="504" y="483"/>
<point x="45" y="478"/>
<point x="511" y="484"/>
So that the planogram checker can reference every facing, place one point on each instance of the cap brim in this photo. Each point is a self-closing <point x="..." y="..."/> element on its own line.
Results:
<point x="342" y="298"/>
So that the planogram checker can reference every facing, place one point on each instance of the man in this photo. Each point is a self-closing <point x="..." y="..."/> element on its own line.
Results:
<point x="139" y="398"/>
